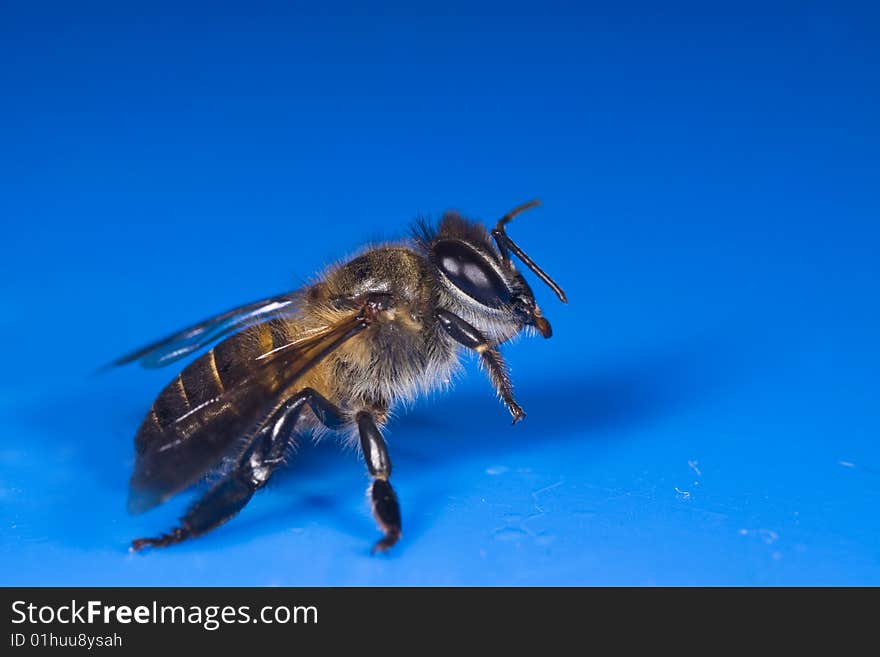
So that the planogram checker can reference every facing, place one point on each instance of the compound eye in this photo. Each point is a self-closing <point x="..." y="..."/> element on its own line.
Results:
<point x="471" y="273"/>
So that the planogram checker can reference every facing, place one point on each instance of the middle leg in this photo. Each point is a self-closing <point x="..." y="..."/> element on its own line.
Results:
<point x="383" y="500"/>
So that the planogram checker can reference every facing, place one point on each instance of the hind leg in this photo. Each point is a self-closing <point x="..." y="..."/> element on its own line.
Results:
<point x="251" y="472"/>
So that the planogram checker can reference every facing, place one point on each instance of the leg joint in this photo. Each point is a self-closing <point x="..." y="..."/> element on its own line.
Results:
<point x="327" y="412"/>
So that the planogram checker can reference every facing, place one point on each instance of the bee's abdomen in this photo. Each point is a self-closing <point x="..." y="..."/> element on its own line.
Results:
<point x="203" y="412"/>
<point x="222" y="368"/>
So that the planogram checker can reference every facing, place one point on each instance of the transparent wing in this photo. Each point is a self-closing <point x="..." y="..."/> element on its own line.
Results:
<point x="189" y="340"/>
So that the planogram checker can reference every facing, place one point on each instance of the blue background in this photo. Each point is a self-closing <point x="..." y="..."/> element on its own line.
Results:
<point x="707" y="412"/>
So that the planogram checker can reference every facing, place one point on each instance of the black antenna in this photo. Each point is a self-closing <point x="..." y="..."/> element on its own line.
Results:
<point x="505" y="243"/>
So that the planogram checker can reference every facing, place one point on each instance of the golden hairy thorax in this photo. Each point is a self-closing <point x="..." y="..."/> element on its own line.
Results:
<point x="397" y="357"/>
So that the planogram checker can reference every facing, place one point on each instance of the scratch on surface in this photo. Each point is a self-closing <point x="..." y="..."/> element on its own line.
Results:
<point x="847" y="464"/>
<point x="683" y="494"/>
<point x="693" y="464"/>
<point x="541" y="491"/>
<point x="767" y="535"/>
<point x="518" y="528"/>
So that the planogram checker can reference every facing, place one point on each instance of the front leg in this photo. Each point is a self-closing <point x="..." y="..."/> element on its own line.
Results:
<point x="467" y="335"/>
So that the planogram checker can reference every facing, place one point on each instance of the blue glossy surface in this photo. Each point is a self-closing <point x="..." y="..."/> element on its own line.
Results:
<point x="707" y="411"/>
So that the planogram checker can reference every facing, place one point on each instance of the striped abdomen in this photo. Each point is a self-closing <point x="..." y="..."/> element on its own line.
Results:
<point x="205" y="412"/>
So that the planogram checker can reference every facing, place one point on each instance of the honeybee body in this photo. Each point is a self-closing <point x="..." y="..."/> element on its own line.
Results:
<point x="380" y="328"/>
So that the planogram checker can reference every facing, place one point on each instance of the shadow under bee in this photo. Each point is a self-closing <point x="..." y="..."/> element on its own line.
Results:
<point x="599" y="406"/>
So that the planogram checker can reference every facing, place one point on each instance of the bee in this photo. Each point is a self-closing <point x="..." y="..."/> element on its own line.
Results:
<point x="335" y="355"/>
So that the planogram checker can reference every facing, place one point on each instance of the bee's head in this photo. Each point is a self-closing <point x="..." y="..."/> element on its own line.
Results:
<point x="480" y="276"/>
